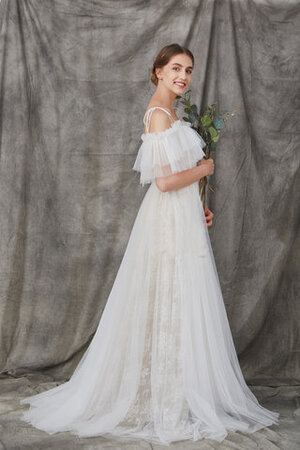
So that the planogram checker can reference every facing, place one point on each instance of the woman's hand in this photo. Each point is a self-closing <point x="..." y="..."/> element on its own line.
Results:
<point x="209" y="165"/>
<point x="209" y="216"/>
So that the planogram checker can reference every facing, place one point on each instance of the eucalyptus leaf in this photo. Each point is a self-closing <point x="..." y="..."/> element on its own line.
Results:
<point x="186" y="102"/>
<point x="213" y="132"/>
<point x="206" y="120"/>
<point x="215" y="138"/>
<point x="194" y="109"/>
<point x="192" y="117"/>
<point x="218" y="123"/>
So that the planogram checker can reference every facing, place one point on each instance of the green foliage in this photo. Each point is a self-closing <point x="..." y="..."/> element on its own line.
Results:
<point x="208" y="124"/>
<point x="206" y="121"/>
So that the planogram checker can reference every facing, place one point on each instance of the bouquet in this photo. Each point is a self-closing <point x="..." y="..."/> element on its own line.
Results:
<point x="208" y="125"/>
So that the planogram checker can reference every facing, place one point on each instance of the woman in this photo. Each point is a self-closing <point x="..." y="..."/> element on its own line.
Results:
<point x="162" y="364"/>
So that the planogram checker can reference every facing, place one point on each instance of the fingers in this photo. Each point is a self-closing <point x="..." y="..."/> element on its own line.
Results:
<point x="209" y="217"/>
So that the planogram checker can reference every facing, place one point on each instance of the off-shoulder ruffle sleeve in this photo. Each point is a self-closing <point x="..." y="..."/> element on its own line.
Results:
<point x="167" y="152"/>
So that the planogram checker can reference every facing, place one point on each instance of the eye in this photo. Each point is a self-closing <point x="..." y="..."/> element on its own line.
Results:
<point x="189" y="70"/>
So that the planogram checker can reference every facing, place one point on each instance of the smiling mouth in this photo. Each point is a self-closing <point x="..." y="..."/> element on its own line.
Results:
<point x="182" y="85"/>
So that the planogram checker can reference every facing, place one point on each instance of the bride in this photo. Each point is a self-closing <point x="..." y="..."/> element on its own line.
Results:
<point x="162" y="365"/>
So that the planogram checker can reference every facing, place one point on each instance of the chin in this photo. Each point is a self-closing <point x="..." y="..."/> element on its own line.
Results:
<point x="181" y="91"/>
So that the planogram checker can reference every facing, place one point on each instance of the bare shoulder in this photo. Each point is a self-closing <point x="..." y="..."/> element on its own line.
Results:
<point x="160" y="121"/>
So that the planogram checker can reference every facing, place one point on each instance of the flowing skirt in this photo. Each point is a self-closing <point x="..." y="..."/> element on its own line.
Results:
<point x="162" y="365"/>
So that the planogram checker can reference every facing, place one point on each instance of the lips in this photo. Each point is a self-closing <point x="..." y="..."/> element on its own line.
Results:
<point x="178" y="83"/>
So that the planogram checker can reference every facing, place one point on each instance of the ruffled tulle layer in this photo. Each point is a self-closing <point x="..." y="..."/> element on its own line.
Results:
<point x="162" y="364"/>
<point x="167" y="152"/>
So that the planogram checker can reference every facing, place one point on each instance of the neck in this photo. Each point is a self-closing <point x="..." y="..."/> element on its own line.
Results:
<point x="164" y="97"/>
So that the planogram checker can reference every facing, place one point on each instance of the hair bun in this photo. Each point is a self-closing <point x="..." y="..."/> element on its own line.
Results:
<point x="154" y="78"/>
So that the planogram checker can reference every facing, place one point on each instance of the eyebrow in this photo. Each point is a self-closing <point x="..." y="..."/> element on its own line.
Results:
<point x="177" y="64"/>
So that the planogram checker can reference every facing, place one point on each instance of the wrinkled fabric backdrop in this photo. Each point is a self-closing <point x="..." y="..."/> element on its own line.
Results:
<point x="75" y="83"/>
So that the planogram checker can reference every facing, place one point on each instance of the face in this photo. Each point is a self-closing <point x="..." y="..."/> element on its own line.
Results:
<point x="176" y="75"/>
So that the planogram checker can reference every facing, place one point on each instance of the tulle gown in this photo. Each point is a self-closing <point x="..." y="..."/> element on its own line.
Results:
<point x="162" y="365"/>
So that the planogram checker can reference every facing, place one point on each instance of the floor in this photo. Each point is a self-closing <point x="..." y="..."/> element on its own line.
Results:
<point x="16" y="434"/>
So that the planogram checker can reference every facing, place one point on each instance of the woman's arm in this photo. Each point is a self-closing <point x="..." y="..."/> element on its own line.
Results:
<point x="160" y="122"/>
<point x="181" y="179"/>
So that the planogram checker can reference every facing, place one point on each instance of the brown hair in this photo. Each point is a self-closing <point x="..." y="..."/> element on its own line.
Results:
<point x="164" y="56"/>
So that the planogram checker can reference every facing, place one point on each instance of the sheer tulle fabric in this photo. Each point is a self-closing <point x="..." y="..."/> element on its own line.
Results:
<point x="173" y="150"/>
<point x="162" y="365"/>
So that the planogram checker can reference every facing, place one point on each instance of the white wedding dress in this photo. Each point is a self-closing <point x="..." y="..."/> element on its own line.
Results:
<point x="162" y="365"/>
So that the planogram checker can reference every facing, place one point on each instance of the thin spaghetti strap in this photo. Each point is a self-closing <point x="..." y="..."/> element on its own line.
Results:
<point x="148" y="116"/>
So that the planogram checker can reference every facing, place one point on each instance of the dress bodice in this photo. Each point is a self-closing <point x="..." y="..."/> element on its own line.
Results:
<point x="166" y="152"/>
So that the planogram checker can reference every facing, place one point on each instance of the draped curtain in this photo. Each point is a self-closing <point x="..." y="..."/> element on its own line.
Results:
<point x="75" y="83"/>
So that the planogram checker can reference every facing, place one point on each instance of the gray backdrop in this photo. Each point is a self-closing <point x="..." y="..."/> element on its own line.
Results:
<point x="75" y="83"/>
